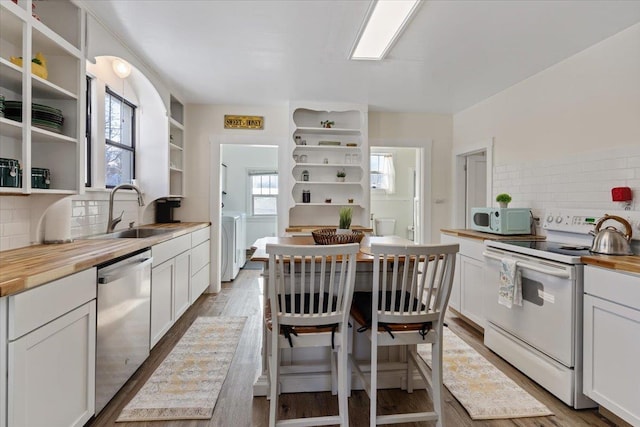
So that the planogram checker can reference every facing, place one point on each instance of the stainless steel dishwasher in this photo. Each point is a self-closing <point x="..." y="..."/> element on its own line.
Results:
<point x="123" y="322"/>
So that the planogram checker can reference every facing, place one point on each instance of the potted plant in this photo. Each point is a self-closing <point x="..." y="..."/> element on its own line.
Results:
<point x="340" y="175"/>
<point x="503" y="199"/>
<point x="345" y="221"/>
<point x="327" y="124"/>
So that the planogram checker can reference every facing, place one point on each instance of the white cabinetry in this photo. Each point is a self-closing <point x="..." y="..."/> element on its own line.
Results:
<point x="169" y="279"/>
<point x="200" y="262"/>
<point x="29" y="137"/>
<point x="322" y="161"/>
<point x="469" y="287"/>
<point x="180" y="274"/>
<point x="612" y="341"/>
<point x="51" y="353"/>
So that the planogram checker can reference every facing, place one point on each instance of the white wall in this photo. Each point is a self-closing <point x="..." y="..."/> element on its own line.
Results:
<point x="422" y="130"/>
<point x="203" y="136"/>
<point x="565" y="136"/>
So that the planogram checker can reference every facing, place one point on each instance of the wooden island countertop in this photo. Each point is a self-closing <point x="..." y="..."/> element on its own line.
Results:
<point x="364" y="255"/>
<point x="31" y="266"/>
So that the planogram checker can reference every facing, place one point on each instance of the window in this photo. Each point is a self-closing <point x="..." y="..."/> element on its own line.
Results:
<point x="87" y="135"/>
<point x="264" y="192"/>
<point x="383" y="174"/>
<point x="120" y="149"/>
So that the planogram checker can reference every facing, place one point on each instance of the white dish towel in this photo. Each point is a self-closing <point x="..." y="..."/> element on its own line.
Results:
<point x="510" y="290"/>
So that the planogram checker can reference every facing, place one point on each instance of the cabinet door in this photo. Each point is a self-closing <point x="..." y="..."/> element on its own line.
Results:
<point x="454" y="298"/>
<point x="611" y="375"/>
<point x="471" y="289"/>
<point x="162" y="318"/>
<point x="52" y="372"/>
<point x="182" y="285"/>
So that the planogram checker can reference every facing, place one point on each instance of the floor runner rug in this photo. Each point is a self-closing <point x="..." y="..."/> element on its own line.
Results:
<point x="187" y="383"/>
<point x="483" y="390"/>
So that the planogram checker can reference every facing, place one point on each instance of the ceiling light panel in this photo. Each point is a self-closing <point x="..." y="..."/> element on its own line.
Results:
<point x="382" y="27"/>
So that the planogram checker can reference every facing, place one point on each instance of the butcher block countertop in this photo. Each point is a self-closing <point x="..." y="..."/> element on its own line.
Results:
<point x="31" y="266"/>
<point x="473" y="234"/>
<point x="629" y="263"/>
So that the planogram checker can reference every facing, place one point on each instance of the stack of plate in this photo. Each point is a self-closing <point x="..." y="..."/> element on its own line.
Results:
<point x="43" y="116"/>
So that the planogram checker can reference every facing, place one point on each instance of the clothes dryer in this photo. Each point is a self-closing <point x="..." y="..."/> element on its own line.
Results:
<point x="229" y="257"/>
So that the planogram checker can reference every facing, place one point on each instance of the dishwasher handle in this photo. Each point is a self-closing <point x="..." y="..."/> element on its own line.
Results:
<point x="124" y="271"/>
<point x="562" y="274"/>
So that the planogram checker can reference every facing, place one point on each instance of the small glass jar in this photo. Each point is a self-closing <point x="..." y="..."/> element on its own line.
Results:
<point x="306" y="196"/>
<point x="305" y="175"/>
<point x="303" y="158"/>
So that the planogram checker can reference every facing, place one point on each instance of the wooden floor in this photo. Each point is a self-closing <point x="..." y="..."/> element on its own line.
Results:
<point x="236" y="406"/>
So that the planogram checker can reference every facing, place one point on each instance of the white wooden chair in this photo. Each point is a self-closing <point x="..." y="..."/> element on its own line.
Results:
<point x="406" y="307"/>
<point x="310" y="308"/>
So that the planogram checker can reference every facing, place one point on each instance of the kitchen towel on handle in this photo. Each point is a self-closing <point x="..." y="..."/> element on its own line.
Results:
<point x="510" y="290"/>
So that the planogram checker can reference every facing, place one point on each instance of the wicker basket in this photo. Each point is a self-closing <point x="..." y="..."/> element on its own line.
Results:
<point x="328" y="236"/>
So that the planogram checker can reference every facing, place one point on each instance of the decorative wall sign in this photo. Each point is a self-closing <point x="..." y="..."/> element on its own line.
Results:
<point x="243" y="122"/>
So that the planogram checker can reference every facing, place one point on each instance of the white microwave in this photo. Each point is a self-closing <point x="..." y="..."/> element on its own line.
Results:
<point x="501" y="220"/>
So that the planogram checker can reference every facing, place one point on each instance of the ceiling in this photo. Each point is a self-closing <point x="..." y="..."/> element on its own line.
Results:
<point x="452" y="55"/>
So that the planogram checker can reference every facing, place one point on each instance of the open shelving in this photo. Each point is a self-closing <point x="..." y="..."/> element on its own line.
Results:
<point x="57" y="32"/>
<point x="324" y="159"/>
<point x="176" y="148"/>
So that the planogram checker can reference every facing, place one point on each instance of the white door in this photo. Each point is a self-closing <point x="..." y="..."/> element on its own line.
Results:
<point x="476" y="183"/>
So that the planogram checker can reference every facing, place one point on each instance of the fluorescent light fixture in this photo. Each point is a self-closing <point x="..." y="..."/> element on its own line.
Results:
<point x="385" y="21"/>
<point x="121" y="68"/>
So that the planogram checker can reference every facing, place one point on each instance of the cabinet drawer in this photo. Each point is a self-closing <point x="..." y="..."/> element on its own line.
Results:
<point x="31" y="309"/>
<point x="469" y="247"/>
<point x="199" y="257"/>
<point x="200" y="236"/>
<point x="199" y="283"/>
<point x="170" y="249"/>
<point x="613" y="285"/>
<point x="472" y="248"/>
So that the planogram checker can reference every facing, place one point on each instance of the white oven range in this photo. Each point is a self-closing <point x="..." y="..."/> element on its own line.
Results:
<point x="543" y="337"/>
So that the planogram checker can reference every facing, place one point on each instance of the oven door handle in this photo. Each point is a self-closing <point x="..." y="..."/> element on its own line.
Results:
<point x="523" y="264"/>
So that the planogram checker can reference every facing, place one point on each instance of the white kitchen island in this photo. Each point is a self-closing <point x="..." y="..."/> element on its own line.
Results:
<point x="308" y="369"/>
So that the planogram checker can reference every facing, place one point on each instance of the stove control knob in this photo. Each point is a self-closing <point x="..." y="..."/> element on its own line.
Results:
<point x="550" y="218"/>
<point x="559" y="219"/>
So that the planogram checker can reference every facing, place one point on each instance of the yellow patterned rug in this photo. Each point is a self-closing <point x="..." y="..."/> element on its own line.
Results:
<point x="483" y="390"/>
<point x="187" y="383"/>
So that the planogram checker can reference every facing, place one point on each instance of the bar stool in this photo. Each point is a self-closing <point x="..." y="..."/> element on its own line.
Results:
<point x="310" y="308"/>
<point x="406" y="307"/>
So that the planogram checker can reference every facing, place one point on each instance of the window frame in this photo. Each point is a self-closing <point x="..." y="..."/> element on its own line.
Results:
<point x="108" y="142"/>
<point x="377" y="172"/>
<point x="252" y="196"/>
<point x="87" y="132"/>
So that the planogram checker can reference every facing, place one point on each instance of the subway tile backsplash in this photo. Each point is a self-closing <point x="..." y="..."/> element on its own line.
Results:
<point x="14" y="222"/>
<point x="89" y="214"/>
<point x="583" y="180"/>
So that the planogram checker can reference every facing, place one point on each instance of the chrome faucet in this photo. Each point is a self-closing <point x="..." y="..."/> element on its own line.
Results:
<point x="112" y="222"/>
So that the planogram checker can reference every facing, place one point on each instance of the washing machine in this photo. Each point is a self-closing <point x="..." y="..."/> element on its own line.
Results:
<point x="241" y="236"/>
<point x="229" y="254"/>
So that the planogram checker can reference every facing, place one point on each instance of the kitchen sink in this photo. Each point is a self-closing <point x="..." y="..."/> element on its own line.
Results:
<point x="133" y="233"/>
